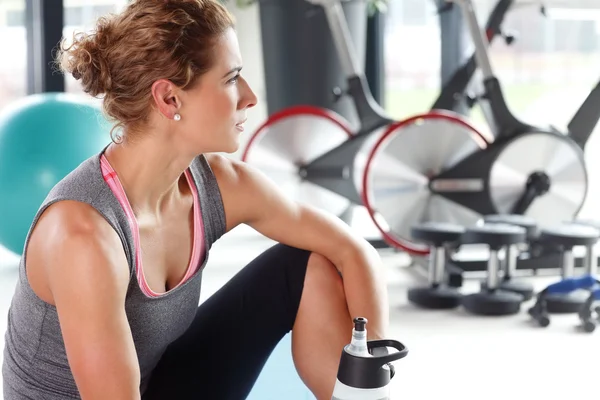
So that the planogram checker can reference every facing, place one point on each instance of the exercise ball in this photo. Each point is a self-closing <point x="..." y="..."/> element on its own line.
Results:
<point x="43" y="137"/>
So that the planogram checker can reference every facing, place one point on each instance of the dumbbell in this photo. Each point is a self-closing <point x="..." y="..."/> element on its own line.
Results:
<point x="437" y="295"/>
<point x="509" y="265"/>
<point x="590" y="261"/>
<point x="567" y="236"/>
<point x="492" y="300"/>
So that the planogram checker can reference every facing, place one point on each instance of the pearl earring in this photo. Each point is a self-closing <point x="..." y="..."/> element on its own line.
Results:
<point x="176" y="117"/>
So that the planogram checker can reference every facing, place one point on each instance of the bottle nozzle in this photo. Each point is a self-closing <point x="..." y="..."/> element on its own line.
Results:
<point x="360" y="323"/>
<point x="358" y="345"/>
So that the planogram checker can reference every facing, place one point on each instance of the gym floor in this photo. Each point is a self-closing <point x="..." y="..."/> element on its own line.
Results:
<point x="453" y="355"/>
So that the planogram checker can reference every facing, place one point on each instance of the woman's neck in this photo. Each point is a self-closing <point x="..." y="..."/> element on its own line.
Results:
<point x="150" y="173"/>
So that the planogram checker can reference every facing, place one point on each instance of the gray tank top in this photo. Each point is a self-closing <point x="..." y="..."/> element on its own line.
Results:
<point x="35" y="363"/>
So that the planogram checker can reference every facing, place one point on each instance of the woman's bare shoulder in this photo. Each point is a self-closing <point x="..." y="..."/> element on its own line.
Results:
<point x="222" y="166"/>
<point x="70" y="217"/>
<point x="247" y="192"/>
<point x="72" y="242"/>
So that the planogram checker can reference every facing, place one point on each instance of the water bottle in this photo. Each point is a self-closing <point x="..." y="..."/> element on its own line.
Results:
<point x="365" y="369"/>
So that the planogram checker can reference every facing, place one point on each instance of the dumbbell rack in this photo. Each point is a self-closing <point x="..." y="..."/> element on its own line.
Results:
<point x="471" y="263"/>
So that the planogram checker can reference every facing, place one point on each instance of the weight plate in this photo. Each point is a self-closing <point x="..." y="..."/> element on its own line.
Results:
<point x="436" y="298"/>
<point x="555" y="155"/>
<point x="497" y="303"/>
<point x="396" y="178"/>
<point x="292" y="138"/>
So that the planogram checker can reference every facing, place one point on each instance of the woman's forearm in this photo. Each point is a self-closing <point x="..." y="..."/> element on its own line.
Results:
<point x="366" y="289"/>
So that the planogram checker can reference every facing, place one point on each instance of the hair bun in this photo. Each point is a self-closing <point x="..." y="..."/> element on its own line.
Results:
<point x="85" y="59"/>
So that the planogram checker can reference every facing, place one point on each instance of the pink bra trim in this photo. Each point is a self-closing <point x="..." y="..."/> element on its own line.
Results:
<point x="111" y="178"/>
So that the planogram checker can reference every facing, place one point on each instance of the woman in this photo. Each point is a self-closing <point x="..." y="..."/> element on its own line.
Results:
<point x="107" y="302"/>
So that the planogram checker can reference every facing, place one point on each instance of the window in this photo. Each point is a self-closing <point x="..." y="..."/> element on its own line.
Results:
<point x="553" y="63"/>
<point x="13" y="68"/>
<point x="545" y="73"/>
<point x="412" y="57"/>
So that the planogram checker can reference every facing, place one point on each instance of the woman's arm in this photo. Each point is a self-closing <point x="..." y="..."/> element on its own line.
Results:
<point x="87" y="274"/>
<point x="251" y="198"/>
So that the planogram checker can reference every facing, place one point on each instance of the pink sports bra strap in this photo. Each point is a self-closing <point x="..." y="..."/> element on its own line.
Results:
<point x="198" y="248"/>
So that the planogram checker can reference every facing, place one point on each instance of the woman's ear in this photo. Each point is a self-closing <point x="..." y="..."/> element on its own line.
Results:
<point x="165" y="98"/>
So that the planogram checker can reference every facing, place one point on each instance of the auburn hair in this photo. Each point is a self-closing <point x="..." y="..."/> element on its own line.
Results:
<point x="150" y="39"/>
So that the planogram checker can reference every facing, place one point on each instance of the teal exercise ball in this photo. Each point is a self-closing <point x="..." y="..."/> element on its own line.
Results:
<point x="43" y="137"/>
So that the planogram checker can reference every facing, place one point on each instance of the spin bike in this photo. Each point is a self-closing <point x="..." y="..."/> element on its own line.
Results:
<point x="527" y="170"/>
<point x="317" y="157"/>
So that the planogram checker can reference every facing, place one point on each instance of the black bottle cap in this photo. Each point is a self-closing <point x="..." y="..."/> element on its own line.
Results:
<point x="360" y="323"/>
<point x="370" y="372"/>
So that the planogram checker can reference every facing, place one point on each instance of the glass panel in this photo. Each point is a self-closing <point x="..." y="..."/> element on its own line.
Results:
<point x="554" y="59"/>
<point x="412" y="66"/>
<point x="13" y="37"/>
<point x="553" y="63"/>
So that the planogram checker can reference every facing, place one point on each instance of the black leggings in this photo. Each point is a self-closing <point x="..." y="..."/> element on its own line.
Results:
<point x="234" y="332"/>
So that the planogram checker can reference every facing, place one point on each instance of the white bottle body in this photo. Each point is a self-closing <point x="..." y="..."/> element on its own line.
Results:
<point x="344" y="392"/>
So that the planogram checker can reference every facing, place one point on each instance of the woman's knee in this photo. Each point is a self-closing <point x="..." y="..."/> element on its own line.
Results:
<point x="319" y="261"/>
<point x="321" y="268"/>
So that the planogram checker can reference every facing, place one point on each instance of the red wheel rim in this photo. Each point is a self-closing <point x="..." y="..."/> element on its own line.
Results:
<point x="403" y="243"/>
<point x="293" y="112"/>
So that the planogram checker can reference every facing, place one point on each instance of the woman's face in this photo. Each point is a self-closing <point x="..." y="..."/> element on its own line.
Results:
<point x="214" y="110"/>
